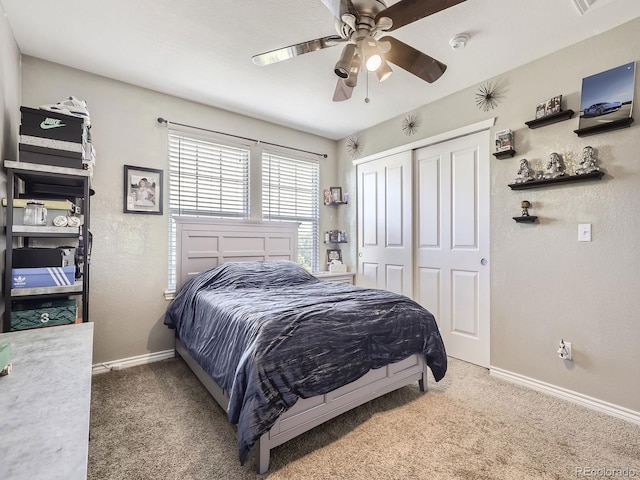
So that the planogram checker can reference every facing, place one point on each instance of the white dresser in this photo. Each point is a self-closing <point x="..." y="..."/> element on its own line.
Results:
<point x="45" y="403"/>
<point x="346" y="277"/>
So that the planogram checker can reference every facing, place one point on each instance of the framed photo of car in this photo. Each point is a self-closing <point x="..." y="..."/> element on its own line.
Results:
<point x="607" y="96"/>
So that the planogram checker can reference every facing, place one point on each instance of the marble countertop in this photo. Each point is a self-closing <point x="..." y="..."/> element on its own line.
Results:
<point x="45" y="403"/>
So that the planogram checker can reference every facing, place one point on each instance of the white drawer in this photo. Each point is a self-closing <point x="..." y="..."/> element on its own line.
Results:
<point x="347" y="277"/>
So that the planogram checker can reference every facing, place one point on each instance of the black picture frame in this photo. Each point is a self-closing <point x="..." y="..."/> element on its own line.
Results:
<point x="333" y="254"/>
<point x="336" y="194"/>
<point x="142" y="190"/>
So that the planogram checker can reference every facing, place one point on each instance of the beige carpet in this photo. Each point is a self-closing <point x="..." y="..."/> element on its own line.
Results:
<point x="157" y="422"/>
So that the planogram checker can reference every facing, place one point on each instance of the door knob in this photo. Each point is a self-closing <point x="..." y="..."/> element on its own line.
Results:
<point x="360" y="254"/>
<point x="483" y="262"/>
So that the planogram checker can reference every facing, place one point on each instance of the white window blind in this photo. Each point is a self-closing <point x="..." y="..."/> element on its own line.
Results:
<point x="206" y="178"/>
<point x="290" y="193"/>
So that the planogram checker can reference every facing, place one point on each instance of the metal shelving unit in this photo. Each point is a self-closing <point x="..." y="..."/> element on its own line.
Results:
<point x="50" y="182"/>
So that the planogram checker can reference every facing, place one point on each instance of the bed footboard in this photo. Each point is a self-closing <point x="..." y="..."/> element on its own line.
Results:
<point x="308" y="413"/>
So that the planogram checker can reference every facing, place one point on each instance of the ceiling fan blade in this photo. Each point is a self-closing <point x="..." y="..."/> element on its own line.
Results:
<point x="291" y="51"/>
<point x="340" y="7"/>
<point x="408" y="11"/>
<point x="414" y="61"/>
<point x="342" y="92"/>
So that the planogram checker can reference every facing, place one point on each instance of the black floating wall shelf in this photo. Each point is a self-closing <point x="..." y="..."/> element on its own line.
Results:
<point x="549" y="119"/>
<point x="505" y="153"/>
<point x="554" y="181"/>
<point x="604" y="127"/>
<point x="526" y="218"/>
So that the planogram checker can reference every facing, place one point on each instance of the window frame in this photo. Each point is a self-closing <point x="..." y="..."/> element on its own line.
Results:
<point x="308" y="256"/>
<point x="175" y="174"/>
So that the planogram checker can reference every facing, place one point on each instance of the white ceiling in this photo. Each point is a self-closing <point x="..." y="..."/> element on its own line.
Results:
<point x="201" y="50"/>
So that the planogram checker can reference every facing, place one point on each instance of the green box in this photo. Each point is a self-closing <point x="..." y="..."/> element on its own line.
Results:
<point x="26" y="314"/>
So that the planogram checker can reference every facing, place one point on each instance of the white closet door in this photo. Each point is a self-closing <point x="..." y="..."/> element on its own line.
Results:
<point x="452" y="242"/>
<point x="385" y="248"/>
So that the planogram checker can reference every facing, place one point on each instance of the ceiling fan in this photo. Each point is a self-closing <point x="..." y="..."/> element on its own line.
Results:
<point x="359" y="23"/>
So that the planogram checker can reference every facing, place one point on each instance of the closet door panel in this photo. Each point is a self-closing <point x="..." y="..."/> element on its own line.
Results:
<point x="385" y="240"/>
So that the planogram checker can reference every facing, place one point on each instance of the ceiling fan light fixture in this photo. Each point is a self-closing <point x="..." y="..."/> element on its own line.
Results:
<point x="352" y="79"/>
<point x="343" y="65"/>
<point x="371" y="53"/>
<point x="373" y="62"/>
<point x="384" y="71"/>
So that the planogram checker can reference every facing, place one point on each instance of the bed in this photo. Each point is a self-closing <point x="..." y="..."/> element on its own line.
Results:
<point x="280" y="350"/>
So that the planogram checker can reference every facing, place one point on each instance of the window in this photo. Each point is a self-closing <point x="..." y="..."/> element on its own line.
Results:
<point x="290" y="192"/>
<point x="205" y="179"/>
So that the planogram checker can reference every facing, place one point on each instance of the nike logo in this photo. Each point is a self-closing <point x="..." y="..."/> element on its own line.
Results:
<point x="51" y="123"/>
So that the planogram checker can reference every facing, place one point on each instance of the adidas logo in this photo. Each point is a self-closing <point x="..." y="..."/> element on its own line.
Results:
<point x="19" y="281"/>
<point x="48" y="123"/>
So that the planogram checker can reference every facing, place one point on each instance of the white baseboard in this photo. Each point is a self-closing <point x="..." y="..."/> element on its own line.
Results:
<point x="132" y="361"/>
<point x="575" y="397"/>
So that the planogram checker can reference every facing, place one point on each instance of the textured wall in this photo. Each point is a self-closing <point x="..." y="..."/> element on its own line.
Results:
<point x="9" y="109"/>
<point x="545" y="285"/>
<point x="129" y="261"/>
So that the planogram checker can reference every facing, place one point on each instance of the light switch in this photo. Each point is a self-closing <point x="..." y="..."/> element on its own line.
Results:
<point x="584" y="232"/>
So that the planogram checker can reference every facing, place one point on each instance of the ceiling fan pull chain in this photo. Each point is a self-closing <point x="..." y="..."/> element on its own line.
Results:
<point x="367" y="99"/>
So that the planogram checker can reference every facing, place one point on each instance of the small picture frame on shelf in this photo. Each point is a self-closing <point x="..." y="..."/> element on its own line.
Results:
<point x="504" y="140"/>
<point x="333" y="254"/>
<point x="336" y="194"/>
<point x="549" y="107"/>
<point x="554" y="105"/>
<point x="142" y="190"/>
<point x="328" y="199"/>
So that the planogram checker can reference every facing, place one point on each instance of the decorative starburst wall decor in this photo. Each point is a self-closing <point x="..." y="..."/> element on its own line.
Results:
<point x="410" y="124"/>
<point x="354" y="145"/>
<point x="487" y="96"/>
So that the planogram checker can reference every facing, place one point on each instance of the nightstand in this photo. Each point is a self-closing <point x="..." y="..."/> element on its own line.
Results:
<point x="346" y="277"/>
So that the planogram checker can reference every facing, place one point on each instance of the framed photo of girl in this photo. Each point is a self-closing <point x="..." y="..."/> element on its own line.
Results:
<point x="142" y="190"/>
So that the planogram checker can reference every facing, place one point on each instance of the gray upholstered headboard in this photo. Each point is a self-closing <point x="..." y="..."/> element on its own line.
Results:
<point x="203" y="243"/>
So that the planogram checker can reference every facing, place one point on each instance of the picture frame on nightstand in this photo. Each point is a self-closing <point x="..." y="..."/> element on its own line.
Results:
<point x="334" y="254"/>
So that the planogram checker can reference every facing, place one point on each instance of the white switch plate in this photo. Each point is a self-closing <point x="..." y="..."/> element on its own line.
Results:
<point x="584" y="232"/>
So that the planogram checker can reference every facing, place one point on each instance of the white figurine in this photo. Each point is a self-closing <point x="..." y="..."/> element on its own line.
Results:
<point x="554" y="167"/>
<point x="525" y="174"/>
<point x="588" y="162"/>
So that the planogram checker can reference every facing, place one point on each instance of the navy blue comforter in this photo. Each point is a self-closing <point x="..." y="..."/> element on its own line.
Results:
<point x="269" y="333"/>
